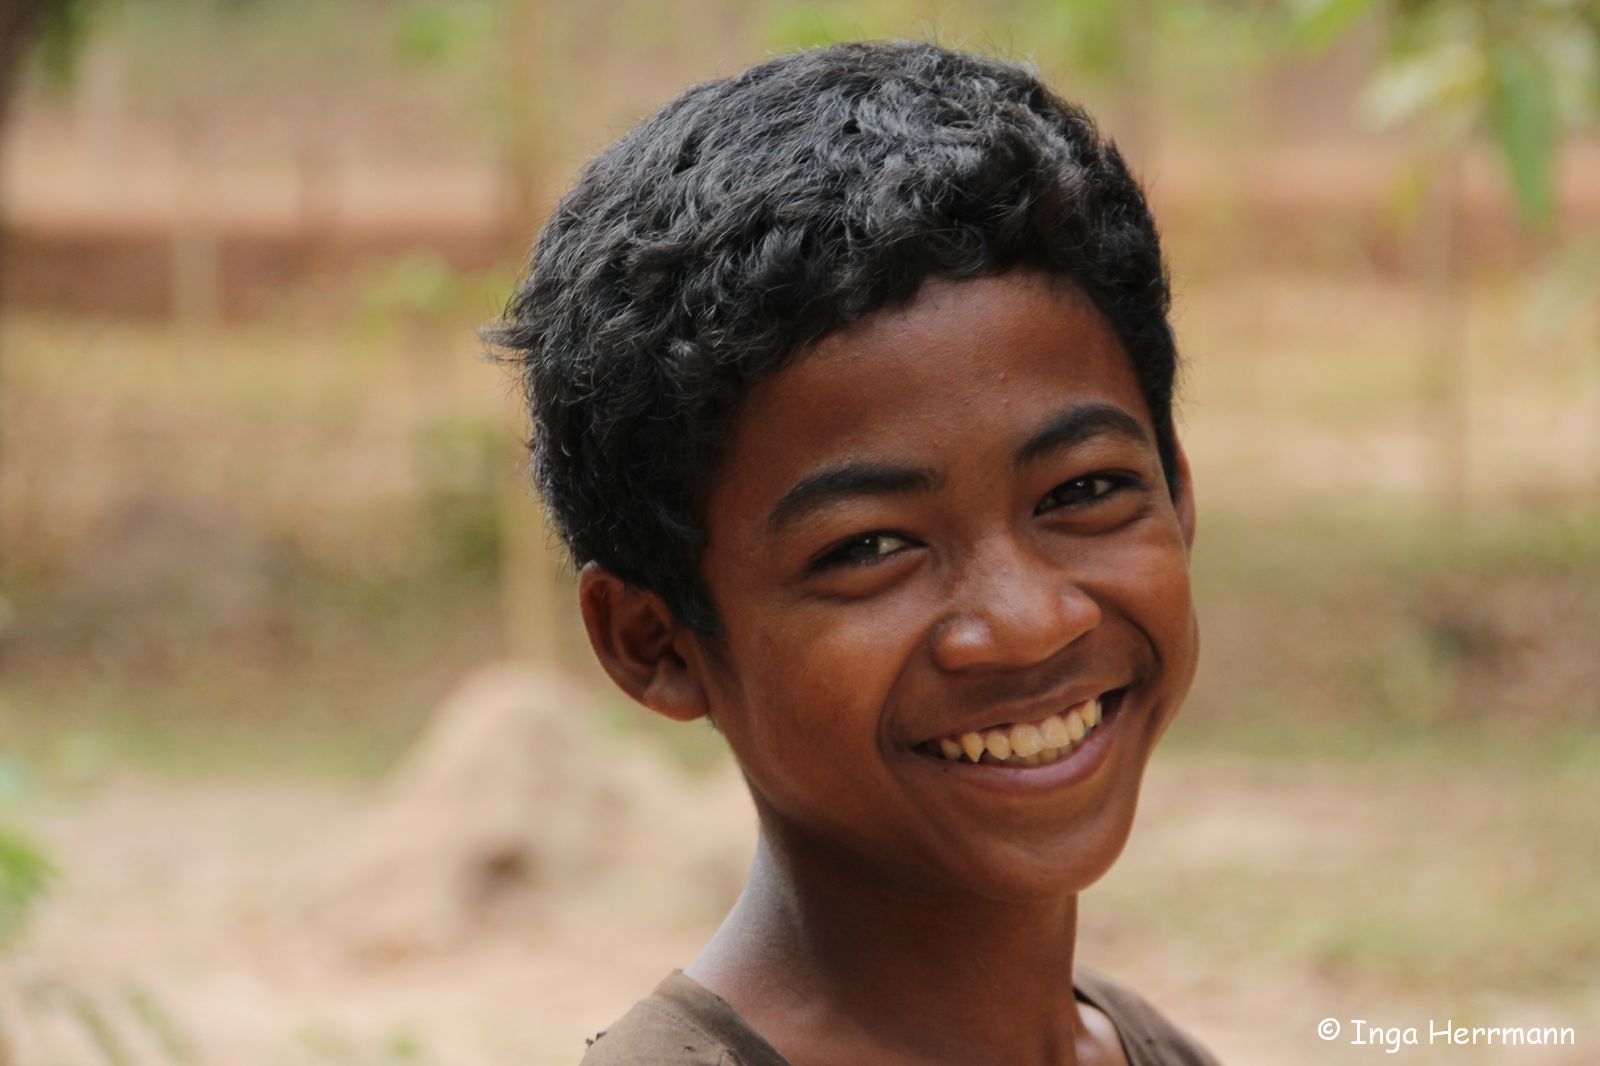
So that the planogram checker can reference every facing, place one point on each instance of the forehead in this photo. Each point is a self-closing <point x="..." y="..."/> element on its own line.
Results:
<point x="968" y="367"/>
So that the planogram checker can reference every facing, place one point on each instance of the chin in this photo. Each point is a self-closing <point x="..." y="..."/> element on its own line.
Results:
<point x="1061" y="868"/>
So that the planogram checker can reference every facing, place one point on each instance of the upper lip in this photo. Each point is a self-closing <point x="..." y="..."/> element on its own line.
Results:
<point x="994" y="715"/>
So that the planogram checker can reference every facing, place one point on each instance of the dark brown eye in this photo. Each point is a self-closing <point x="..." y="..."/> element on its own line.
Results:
<point x="1083" y="490"/>
<point x="864" y="549"/>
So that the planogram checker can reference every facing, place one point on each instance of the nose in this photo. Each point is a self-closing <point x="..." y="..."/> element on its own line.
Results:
<point x="1011" y="607"/>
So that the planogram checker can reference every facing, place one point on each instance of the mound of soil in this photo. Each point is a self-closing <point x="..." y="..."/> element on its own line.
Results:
<point x="510" y="806"/>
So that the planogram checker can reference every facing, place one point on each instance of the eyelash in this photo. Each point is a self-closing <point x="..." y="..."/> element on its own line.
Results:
<point x="1115" y="483"/>
<point x="849" y="552"/>
<point x="855" y="551"/>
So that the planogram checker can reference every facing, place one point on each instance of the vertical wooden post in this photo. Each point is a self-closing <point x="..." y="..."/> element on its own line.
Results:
<point x="18" y="21"/>
<point x="1446" y="347"/>
<point x="195" y="263"/>
<point x="317" y="199"/>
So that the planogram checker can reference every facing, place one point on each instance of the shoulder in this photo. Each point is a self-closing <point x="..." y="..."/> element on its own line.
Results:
<point x="1150" y="1039"/>
<point x="651" y="1032"/>
<point x="681" y="1024"/>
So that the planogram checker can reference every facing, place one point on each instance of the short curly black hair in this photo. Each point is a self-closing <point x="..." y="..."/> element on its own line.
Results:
<point x="753" y="215"/>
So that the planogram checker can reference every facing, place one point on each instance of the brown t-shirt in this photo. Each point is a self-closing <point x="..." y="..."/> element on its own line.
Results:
<point x="685" y="1024"/>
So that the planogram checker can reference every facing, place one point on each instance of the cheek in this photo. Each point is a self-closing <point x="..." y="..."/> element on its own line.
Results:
<point x="819" y="673"/>
<point x="1162" y="606"/>
<point x="1166" y="593"/>
<point x="1145" y="581"/>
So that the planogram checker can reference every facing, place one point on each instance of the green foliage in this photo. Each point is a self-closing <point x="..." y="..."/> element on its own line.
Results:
<point x="156" y="1020"/>
<point x="62" y="31"/>
<point x="432" y="34"/>
<point x="422" y="289"/>
<point x="1091" y="36"/>
<point x="25" y="870"/>
<point x="1521" y="72"/>
<point x="113" y="1023"/>
<point x="791" y="26"/>
<point x="1522" y="112"/>
<point x="1316" y="24"/>
<point x="25" y="873"/>
<point x="1441" y="85"/>
<point x="1088" y="34"/>
<point x="419" y="284"/>
<point x="96" y="1025"/>
<point x="1090" y="39"/>
<point x="460" y="462"/>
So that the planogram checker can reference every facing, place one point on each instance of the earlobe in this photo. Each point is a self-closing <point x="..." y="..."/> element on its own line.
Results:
<point x="636" y="638"/>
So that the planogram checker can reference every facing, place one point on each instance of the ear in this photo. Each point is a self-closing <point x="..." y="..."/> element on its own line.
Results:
<point x="637" y="641"/>
<point x="1184" y="501"/>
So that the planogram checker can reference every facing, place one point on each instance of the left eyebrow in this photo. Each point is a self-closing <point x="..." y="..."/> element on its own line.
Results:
<point x="851" y="479"/>
<point x="1076" y="425"/>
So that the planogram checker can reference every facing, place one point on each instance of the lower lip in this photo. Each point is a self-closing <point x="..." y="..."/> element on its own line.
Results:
<point x="1077" y="765"/>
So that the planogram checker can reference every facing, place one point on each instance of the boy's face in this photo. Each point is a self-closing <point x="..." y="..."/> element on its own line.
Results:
<point x="949" y="519"/>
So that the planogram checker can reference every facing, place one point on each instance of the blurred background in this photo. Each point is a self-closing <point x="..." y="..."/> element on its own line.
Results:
<point x="302" y="760"/>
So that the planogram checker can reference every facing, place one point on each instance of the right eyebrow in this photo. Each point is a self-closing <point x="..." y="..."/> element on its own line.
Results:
<point x="848" y="480"/>
<point x="1078" y="424"/>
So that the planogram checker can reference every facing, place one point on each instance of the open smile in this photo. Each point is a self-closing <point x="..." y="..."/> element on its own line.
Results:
<point x="1025" y="745"/>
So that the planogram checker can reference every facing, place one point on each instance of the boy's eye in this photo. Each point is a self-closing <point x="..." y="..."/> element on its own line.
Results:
<point x="862" y="549"/>
<point x="1082" y="490"/>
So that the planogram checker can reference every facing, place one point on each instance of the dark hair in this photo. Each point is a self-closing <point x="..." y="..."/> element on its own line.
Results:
<point x="753" y="215"/>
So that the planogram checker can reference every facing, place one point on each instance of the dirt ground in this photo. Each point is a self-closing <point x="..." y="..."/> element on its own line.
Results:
<point x="185" y="926"/>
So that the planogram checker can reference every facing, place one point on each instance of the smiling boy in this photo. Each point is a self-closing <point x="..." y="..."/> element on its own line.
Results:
<point x="851" y="382"/>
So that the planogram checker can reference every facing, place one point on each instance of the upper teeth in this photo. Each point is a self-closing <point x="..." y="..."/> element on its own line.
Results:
<point x="1026" y="743"/>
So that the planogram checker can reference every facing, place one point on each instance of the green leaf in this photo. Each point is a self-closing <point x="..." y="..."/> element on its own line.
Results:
<point x="1316" y="24"/>
<point x="62" y="32"/>
<point x="1407" y="191"/>
<point x="1527" y="127"/>
<point x="25" y="873"/>
<point x="97" y="1027"/>
<point x="1442" y="83"/>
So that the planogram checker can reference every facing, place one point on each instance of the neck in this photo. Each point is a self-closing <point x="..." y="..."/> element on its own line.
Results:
<point x="824" y="959"/>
